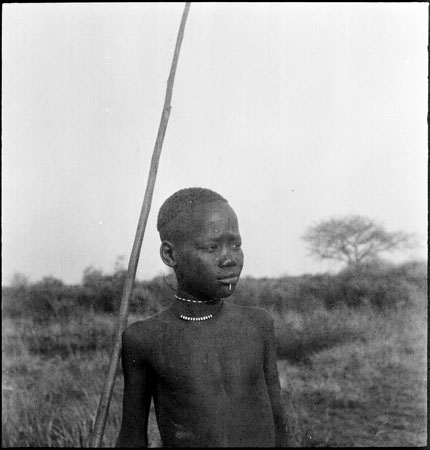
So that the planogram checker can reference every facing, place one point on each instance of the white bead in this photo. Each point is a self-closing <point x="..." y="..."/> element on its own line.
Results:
<point x="196" y="319"/>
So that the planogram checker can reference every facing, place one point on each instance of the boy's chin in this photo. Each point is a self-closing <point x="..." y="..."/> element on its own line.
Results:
<point x="227" y="290"/>
<point x="217" y="291"/>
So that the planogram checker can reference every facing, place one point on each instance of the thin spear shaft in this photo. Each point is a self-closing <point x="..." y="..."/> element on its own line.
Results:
<point x="106" y="396"/>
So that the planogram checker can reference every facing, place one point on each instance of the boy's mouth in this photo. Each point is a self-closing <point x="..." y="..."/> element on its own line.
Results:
<point x="229" y="280"/>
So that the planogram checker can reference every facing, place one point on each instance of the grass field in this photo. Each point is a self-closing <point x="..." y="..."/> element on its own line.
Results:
<point x="349" y="378"/>
<point x="368" y="391"/>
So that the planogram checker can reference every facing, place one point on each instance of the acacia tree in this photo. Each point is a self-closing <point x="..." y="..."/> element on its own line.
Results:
<point x="355" y="240"/>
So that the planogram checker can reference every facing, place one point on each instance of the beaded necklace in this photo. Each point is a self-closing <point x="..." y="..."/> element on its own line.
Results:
<point x="197" y="319"/>
<point x="188" y="300"/>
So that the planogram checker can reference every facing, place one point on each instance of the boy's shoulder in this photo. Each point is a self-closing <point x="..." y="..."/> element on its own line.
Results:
<point x="144" y="330"/>
<point x="253" y="313"/>
<point x="145" y="327"/>
<point x="250" y="319"/>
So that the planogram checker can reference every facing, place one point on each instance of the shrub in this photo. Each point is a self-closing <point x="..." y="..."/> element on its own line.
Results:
<point x="379" y="285"/>
<point x="300" y="335"/>
<point x="102" y="292"/>
<point x="47" y="299"/>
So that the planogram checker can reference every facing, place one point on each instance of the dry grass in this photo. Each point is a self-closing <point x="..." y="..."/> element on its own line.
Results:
<point x="370" y="391"/>
<point x="52" y="379"/>
<point x="352" y="378"/>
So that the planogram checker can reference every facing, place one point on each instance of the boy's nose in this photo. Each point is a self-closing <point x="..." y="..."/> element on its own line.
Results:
<point x="227" y="259"/>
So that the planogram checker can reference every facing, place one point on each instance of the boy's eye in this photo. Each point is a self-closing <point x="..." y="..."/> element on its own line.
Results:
<point x="236" y="246"/>
<point x="211" y="248"/>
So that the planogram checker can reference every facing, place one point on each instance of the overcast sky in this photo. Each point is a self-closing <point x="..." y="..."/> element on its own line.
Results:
<point x="294" y="112"/>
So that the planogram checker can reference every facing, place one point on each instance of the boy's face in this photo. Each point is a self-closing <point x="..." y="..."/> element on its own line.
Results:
<point x="209" y="259"/>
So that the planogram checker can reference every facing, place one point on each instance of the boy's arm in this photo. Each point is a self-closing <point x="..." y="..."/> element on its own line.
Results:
<point x="137" y="392"/>
<point x="273" y="385"/>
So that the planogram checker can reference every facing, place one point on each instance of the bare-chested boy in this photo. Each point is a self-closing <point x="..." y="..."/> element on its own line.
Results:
<point x="209" y="366"/>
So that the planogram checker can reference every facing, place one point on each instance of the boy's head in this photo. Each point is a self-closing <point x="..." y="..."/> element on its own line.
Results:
<point x="201" y="242"/>
<point x="177" y="213"/>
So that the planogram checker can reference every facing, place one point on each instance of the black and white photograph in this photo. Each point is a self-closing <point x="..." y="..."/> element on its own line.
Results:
<point x="214" y="224"/>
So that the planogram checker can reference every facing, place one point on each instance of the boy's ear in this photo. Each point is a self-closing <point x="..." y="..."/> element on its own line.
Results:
<point x="167" y="253"/>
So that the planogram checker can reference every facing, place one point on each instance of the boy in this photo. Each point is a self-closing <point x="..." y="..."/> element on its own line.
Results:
<point x="209" y="366"/>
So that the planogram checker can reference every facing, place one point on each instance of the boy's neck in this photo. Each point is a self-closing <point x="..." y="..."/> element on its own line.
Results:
<point x="189" y="310"/>
<point x="184" y="296"/>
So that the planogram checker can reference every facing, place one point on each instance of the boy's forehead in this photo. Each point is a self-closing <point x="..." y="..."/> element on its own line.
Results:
<point x="209" y="218"/>
<point x="213" y="212"/>
<point x="212" y="206"/>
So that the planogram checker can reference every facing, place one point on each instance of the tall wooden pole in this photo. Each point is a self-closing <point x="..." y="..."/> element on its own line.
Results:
<point x="106" y="396"/>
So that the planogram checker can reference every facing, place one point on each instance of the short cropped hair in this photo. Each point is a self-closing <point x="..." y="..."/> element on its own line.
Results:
<point x="181" y="205"/>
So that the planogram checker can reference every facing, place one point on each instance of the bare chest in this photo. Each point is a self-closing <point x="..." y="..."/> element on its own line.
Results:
<point x="202" y="356"/>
